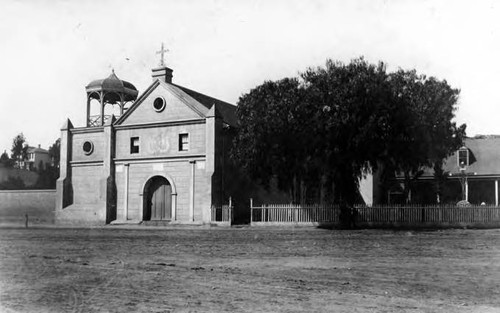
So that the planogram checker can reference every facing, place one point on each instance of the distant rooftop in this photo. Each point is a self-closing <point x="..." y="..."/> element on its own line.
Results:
<point x="37" y="150"/>
<point x="486" y="137"/>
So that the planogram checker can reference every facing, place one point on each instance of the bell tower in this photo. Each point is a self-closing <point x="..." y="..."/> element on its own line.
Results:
<point x="108" y="91"/>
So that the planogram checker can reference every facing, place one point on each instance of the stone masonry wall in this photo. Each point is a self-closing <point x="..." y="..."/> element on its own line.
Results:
<point x="38" y="204"/>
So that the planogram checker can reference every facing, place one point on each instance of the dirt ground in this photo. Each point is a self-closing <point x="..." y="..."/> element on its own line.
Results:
<point x="147" y="269"/>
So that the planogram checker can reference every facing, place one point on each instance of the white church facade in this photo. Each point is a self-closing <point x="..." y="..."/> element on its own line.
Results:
<point x="161" y="159"/>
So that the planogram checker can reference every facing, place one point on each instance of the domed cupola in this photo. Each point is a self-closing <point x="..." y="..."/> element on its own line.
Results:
<point x="109" y="91"/>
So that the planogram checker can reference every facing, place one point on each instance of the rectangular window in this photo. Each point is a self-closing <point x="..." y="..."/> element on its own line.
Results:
<point x="134" y="145"/>
<point x="463" y="157"/>
<point x="183" y="142"/>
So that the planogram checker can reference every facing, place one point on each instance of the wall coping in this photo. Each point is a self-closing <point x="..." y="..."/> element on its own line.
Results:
<point x="161" y="124"/>
<point x="29" y="191"/>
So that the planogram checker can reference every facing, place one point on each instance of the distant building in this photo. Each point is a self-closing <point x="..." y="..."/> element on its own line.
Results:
<point x="472" y="173"/>
<point x="37" y="159"/>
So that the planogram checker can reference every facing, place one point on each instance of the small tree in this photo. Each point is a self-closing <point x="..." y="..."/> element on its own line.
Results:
<point x="4" y="157"/>
<point x="19" y="148"/>
<point x="5" y="160"/>
<point x="55" y="153"/>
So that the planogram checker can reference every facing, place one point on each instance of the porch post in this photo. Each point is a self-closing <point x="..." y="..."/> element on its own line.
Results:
<point x="496" y="192"/>
<point x="466" y="190"/>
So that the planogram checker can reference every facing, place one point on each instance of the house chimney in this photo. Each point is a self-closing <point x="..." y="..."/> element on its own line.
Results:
<point x="162" y="73"/>
<point x="38" y="146"/>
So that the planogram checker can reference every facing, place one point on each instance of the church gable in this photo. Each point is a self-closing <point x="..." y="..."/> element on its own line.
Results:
<point x="163" y="102"/>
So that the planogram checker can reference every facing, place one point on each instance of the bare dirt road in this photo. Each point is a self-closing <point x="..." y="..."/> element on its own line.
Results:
<point x="248" y="270"/>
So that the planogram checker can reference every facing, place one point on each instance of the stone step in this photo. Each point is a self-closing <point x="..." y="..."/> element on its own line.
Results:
<point x="156" y="223"/>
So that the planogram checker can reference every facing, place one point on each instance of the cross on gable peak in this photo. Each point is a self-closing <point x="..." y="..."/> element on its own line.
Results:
<point x="162" y="54"/>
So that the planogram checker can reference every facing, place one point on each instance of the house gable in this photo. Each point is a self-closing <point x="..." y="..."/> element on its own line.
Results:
<point x="483" y="157"/>
<point x="172" y="104"/>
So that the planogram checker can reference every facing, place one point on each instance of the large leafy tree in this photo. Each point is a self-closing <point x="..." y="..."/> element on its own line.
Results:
<point x="352" y="110"/>
<point x="272" y="137"/>
<point x="323" y="132"/>
<point x="426" y="133"/>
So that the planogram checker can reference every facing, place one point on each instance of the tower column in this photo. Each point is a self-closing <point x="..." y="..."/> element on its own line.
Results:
<point x="88" y="111"/>
<point x="101" y="94"/>
<point x="122" y="104"/>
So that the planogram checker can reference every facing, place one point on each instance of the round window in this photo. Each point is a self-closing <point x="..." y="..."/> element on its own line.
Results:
<point x="88" y="147"/>
<point x="159" y="104"/>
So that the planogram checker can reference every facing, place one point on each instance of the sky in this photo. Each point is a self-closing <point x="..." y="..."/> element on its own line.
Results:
<point x="50" y="50"/>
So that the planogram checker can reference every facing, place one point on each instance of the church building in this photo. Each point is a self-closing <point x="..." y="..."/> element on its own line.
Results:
<point x="159" y="157"/>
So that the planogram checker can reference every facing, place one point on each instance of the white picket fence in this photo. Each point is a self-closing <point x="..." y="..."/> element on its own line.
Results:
<point x="379" y="215"/>
<point x="291" y="213"/>
<point x="428" y="214"/>
<point x="223" y="214"/>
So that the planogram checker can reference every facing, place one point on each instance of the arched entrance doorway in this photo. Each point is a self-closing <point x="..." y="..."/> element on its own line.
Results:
<point x="157" y="199"/>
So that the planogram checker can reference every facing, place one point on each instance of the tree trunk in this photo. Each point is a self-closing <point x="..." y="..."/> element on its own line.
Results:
<point x="295" y="189"/>
<point x="322" y="189"/>
<point x="303" y="192"/>
<point x="406" y="187"/>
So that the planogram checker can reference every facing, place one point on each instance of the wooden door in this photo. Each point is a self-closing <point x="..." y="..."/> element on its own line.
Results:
<point x="160" y="199"/>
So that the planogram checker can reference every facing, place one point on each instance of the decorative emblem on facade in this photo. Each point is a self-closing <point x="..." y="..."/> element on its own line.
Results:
<point x="158" y="144"/>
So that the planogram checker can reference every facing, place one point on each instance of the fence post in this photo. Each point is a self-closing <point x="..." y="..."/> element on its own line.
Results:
<point x="230" y="211"/>
<point x="251" y="211"/>
<point x="265" y="218"/>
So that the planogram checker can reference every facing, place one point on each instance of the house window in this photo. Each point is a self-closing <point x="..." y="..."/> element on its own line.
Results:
<point x="183" y="142"/>
<point x="134" y="145"/>
<point x="463" y="157"/>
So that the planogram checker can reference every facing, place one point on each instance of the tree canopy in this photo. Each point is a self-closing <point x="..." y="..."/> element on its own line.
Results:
<point x="5" y="160"/>
<point x="4" y="157"/>
<point x="19" y="147"/>
<point x="318" y="134"/>
<point x="270" y="141"/>
<point x="55" y="152"/>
